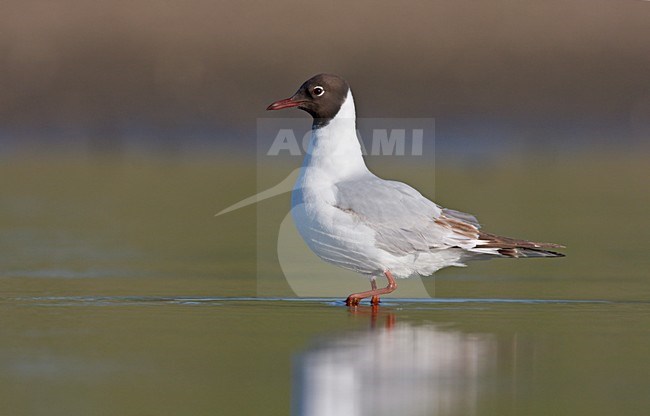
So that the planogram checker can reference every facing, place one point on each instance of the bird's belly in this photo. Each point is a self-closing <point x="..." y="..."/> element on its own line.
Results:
<point x="337" y="238"/>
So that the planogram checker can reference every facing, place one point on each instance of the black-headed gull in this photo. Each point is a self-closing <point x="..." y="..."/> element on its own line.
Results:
<point x="358" y="221"/>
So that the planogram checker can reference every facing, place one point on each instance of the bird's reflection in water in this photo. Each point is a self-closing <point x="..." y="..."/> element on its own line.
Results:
<point x="394" y="368"/>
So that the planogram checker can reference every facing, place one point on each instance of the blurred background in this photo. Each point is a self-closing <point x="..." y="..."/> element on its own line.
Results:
<point x="130" y="124"/>
<point x="185" y="74"/>
<point x="126" y="125"/>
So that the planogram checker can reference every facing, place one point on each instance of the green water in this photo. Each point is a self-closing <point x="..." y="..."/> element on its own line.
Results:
<point x="122" y="294"/>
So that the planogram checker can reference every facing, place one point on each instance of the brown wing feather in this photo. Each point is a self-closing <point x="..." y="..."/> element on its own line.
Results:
<point x="458" y="226"/>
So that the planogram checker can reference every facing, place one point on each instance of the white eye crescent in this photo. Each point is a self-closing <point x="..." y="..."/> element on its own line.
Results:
<point x="318" y="91"/>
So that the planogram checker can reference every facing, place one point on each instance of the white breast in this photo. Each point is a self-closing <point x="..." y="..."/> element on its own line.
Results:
<point x="335" y="236"/>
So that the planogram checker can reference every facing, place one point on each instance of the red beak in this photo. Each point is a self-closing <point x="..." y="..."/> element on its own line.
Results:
<point x="286" y="103"/>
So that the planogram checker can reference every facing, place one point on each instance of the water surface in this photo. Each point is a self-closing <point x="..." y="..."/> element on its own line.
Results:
<point x="122" y="294"/>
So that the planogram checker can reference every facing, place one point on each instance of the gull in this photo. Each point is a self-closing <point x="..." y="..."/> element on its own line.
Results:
<point x="353" y="219"/>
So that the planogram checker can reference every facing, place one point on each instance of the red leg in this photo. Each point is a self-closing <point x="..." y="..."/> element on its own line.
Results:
<point x="375" y="299"/>
<point x="355" y="298"/>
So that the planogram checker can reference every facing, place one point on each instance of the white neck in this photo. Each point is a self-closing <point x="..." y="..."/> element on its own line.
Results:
<point x="334" y="148"/>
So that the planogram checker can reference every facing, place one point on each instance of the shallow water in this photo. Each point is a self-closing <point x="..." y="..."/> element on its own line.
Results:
<point x="122" y="294"/>
<point x="225" y="355"/>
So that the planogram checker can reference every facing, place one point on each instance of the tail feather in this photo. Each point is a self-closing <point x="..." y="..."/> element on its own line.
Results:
<point x="510" y="247"/>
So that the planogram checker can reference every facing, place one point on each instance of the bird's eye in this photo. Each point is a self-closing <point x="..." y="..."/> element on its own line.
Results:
<point x="318" y="91"/>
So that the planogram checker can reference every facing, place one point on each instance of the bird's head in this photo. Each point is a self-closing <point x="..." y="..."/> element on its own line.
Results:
<point x="321" y="96"/>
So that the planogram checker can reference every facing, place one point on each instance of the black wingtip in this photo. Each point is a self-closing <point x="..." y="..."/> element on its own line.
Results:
<point x="521" y="252"/>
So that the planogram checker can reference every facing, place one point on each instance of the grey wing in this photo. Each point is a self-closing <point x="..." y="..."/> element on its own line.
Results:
<point x="404" y="220"/>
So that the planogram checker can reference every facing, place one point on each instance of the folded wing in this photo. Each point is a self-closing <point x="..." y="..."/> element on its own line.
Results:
<point x="406" y="222"/>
